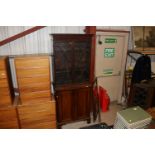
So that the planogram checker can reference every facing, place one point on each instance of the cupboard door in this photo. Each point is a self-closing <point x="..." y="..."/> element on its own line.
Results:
<point x="64" y="106"/>
<point x="83" y="101"/>
<point x="39" y="115"/>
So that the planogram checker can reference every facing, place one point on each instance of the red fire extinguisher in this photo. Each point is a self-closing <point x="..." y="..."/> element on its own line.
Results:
<point x="104" y="99"/>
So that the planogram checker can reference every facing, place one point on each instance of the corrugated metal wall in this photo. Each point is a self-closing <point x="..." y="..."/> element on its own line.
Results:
<point x="37" y="42"/>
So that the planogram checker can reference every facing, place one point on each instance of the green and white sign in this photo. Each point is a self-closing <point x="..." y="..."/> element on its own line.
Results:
<point x="108" y="71"/>
<point x="110" y="40"/>
<point x="109" y="52"/>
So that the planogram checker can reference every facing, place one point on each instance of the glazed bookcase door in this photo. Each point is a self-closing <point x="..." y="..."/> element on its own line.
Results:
<point x="72" y="61"/>
<point x="63" y="62"/>
<point x="81" y="63"/>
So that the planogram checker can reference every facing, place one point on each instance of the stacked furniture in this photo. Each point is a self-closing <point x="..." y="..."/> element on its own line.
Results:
<point x="73" y="74"/>
<point x="36" y="108"/>
<point x="8" y="115"/>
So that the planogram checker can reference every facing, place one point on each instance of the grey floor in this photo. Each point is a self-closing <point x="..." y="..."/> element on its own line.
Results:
<point x="107" y="117"/>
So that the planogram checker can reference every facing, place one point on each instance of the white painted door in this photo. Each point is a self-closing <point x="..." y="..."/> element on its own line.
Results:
<point x="111" y="50"/>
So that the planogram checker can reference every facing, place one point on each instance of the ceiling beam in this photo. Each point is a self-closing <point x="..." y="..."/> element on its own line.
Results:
<point x="19" y="35"/>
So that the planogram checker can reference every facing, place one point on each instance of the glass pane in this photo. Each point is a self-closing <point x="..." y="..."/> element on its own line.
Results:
<point x="72" y="61"/>
<point x="82" y="63"/>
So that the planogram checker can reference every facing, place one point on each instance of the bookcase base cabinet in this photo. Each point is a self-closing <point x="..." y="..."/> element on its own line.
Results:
<point x="73" y="104"/>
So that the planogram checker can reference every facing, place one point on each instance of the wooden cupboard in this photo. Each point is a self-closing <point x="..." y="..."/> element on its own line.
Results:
<point x="73" y="76"/>
<point x="33" y="77"/>
<point x="36" y="108"/>
<point x="6" y="86"/>
<point x="37" y="115"/>
<point x="73" y="103"/>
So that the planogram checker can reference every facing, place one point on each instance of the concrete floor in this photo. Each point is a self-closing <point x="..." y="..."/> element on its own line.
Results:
<point x="106" y="117"/>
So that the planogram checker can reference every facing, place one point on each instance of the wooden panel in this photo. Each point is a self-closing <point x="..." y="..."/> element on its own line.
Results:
<point x="5" y="100"/>
<point x="2" y="64"/>
<point x="32" y="63"/>
<point x="35" y="100"/>
<point x="64" y="106"/>
<point x="4" y="92"/>
<point x="34" y="95"/>
<point x="82" y="100"/>
<point x="42" y="125"/>
<point x="6" y="88"/>
<point x="3" y="83"/>
<point x="34" y="72"/>
<point x="8" y="118"/>
<point x="25" y="81"/>
<point x="35" y="87"/>
<point x="38" y="115"/>
<point x="3" y="74"/>
<point x="33" y="76"/>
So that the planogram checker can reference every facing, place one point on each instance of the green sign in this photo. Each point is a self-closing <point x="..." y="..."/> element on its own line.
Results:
<point x="109" y="52"/>
<point x="108" y="71"/>
<point x="110" y="40"/>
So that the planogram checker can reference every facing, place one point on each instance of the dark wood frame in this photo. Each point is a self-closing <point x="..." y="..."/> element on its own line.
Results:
<point x="75" y="87"/>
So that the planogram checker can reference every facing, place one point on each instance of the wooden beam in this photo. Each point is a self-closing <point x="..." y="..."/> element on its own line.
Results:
<point x="92" y="30"/>
<point x="19" y="35"/>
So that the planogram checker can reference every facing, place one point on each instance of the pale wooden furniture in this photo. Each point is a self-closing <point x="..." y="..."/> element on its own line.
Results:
<point x="33" y="77"/>
<point x="36" y="106"/>
<point x="6" y="88"/>
<point x="37" y="115"/>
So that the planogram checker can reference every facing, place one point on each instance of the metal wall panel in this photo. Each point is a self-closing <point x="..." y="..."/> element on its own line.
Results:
<point x="4" y="50"/>
<point x="37" y="42"/>
<point x="17" y="46"/>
